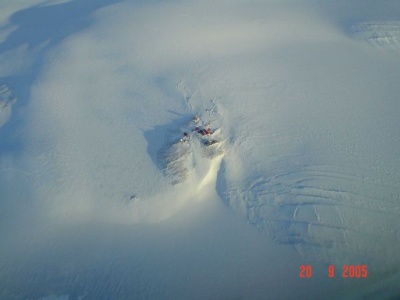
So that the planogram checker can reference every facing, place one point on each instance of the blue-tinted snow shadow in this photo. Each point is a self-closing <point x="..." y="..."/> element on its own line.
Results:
<point x="53" y="23"/>
<point x="40" y="29"/>
<point x="161" y="136"/>
<point x="45" y="26"/>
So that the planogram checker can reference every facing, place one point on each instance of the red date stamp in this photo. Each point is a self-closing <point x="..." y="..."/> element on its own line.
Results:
<point x="347" y="271"/>
<point x="305" y="271"/>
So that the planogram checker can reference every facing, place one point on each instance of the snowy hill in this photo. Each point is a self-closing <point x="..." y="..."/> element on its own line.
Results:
<point x="199" y="150"/>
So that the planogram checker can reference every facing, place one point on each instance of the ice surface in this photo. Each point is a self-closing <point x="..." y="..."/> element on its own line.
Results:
<point x="100" y="198"/>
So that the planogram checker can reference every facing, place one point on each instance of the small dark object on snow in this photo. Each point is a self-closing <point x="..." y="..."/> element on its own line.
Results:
<point x="186" y="137"/>
<point x="204" y="131"/>
<point x="210" y="142"/>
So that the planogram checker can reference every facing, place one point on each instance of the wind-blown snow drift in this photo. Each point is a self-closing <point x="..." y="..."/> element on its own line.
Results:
<point x="307" y="115"/>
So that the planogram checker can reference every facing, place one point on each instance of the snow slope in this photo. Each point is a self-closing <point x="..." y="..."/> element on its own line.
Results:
<point x="101" y="200"/>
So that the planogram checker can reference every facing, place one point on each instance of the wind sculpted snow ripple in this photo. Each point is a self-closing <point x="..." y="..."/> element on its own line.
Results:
<point x="328" y="211"/>
<point x="384" y="35"/>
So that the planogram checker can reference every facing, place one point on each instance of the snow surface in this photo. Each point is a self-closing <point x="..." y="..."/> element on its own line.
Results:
<point x="99" y="198"/>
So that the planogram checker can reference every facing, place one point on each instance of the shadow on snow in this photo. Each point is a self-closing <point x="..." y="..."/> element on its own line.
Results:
<point x="44" y="26"/>
<point x="162" y="136"/>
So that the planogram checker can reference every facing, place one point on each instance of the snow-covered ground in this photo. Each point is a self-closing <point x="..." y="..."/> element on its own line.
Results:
<point x="101" y="199"/>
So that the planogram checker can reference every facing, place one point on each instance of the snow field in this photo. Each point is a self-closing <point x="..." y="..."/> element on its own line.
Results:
<point x="305" y="170"/>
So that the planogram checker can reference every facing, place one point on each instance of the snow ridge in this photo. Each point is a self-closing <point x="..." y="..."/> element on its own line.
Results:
<point x="7" y="99"/>
<point x="321" y="210"/>
<point x="190" y="159"/>
<point x="179" y="155"/>
<point x="384" y="35"/>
